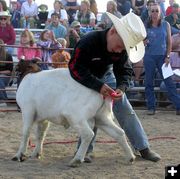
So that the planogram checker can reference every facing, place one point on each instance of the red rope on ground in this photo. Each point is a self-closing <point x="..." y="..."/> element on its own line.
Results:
<point x="98" y="141"/>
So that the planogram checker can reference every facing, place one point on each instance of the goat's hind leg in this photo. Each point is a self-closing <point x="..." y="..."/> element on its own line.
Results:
<point x="109" y="126"/>
<point x="28" y="119"/>
<point x="41" y="129"/>
<point x="86" y="134"/>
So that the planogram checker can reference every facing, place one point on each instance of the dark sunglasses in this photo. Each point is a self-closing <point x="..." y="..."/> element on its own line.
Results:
<point x="155" y="10"/>
<point x="3" y="18"/>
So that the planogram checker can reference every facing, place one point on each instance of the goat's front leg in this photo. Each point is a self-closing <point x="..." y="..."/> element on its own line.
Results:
<point x="86" y="134"/>
<point x="41" y="129"/>
<point x="27" y="124"/>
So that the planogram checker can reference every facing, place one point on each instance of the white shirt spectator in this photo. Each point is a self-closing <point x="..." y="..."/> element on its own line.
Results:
<point x="29" y="10"/>
<point x="64" y="15"/>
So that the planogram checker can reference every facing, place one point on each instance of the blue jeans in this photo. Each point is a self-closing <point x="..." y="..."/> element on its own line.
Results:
<point x="3" y="83"/>
<point x="151" y="62"/>
<point x="126" y="117"/>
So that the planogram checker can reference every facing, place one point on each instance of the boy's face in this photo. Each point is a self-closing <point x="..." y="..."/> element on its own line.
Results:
<point x="114" y="41"/>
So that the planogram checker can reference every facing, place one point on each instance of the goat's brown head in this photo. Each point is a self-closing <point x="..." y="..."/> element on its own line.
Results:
<point x="28" y="66"/>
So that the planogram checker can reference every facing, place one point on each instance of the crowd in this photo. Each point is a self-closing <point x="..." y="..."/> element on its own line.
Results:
<point x="65" y="24"/>
<point x="103" y="59"/>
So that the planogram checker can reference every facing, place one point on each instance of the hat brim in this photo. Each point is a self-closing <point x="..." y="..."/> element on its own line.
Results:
<point x="5" y="15"/>
<point x="135" y="53"/>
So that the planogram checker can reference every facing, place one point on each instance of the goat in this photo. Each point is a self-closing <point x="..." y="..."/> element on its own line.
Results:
<point x="53" y="95"/>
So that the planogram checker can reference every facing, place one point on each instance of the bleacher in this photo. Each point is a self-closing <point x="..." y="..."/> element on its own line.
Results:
<point x="136" y="102"/>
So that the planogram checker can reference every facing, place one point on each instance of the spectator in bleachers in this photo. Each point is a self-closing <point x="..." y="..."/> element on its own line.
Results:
<point x="61" y="56"/>
<point x="20" y="2"/>
<point x="75" y="33"/>
<point x="112" y="8"/>
<point x="59" y="30"/>
<point x="15" y="14"/>
<point x="7" y="34"/>
<point x="47" y="40"/>
<point x="138" y="6"/>
<point x="42" y="15"/>
<point x="64" y="2"/>
<point x="169" y="8"/>
<point x="85" y="16"/>
<point x="93" y="7"/>
<point x="162" y="6"/>
<point x="28" y="49"/>
<point x="123" y="6"/>
<point x="145" y="12"/>
<point x="174" y="17"/>
<point x="71" y="7"/>
<point x="29" y="14"/>
<point x="5" y="72"/>
<point x="58" y="9"/>
<point x="3" y="5"/>
<point x="157" y="51"/>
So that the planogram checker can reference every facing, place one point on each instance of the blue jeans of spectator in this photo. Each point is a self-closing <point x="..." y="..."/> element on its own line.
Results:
<point x="151" y="62"/>
<point x="3" y="83"/>
<point x="126" y="117"/>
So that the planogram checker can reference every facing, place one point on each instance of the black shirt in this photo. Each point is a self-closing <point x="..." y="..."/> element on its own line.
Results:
<point x="91" y="60"/>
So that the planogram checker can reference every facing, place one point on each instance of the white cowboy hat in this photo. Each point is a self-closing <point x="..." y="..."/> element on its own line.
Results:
<point x="132" y="31"/>
<point x="5" y="13"/>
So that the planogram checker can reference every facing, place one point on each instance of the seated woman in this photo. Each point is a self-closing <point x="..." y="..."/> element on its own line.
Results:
<point x="58" y="9"/>
<point x="85" y="16"/>
<point x="5" y="73"/>
<point x="71" y="7"/>
<point x="28" y="48"/>
<point x="7" y="34"/>
<point x="46" y="41"/>
<point x="112" y="8"/>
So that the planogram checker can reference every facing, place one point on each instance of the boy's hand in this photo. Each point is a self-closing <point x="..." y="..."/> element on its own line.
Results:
<point x="107" y="91"/>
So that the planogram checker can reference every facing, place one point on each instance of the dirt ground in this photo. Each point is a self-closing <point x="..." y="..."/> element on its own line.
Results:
<point x="109" y="158"/>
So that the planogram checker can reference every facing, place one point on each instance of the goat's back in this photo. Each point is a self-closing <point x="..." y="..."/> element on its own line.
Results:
<point x="54" y="92"/>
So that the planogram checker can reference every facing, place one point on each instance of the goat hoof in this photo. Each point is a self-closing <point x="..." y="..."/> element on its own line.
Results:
<point x="132" y="159"/>
<point x="22" y="158"/>
<point x="14" y="159"/>
<point x="75" y="163"/>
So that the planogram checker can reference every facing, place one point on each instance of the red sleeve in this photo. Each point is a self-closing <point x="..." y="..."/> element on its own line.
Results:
<point x="168" y="11"/>
<point x="11" y="41"/>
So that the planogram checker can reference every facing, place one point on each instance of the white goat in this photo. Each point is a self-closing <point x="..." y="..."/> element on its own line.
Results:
<point x="53" y="95"/>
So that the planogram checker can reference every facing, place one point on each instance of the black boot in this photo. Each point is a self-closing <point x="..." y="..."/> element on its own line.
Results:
<point x="148" y="154"/>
